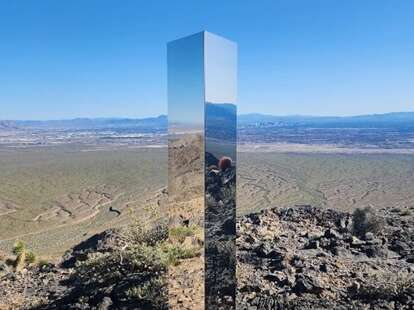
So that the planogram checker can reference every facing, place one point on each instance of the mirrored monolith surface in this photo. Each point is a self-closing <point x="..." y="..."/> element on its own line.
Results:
<point x="220" y="56"/>
<point x="202" y="171"/>
<point x="185" y="171"/>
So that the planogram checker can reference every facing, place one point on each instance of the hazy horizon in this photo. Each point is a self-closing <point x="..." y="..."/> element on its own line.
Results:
<point x="161" y="115"/>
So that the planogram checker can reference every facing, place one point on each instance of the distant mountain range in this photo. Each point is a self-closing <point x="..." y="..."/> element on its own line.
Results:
<point x="159" y="122"/>
<point x="398" y="119"/>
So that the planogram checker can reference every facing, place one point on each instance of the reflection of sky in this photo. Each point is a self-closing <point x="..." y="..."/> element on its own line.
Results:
<point x="201" y="68"/>
<point x="185" y="80"/>
<point x="220" y="65"/>
<point x="220" y="69"/>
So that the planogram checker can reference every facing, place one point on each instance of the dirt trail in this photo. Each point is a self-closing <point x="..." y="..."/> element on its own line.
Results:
<point x="81" y="220"/>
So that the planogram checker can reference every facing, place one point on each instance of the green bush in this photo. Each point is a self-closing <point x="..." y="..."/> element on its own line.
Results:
<point x="23" y="255"/>
<point x="30" y="257"/>
<point x="177" y="252"/>
<point x="133" y="272"/>
<point x="19" y="247"/>
<point x="181" y="232"/>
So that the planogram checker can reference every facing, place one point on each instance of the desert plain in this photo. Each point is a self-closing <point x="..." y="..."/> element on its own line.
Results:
<point x="55" y="196"/>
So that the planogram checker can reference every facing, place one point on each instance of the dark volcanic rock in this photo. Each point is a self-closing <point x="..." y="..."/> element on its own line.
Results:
<point x="102" y="242"/>
<point x="321" y="265"/>
<point x="306" y="284"/>
<point x="293" y="258"/>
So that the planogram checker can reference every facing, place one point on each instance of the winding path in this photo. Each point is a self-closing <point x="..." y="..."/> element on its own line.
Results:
<point x="81" y="220"/>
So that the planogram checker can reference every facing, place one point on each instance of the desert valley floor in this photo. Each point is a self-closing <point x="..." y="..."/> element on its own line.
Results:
<point x="54" y="197"/>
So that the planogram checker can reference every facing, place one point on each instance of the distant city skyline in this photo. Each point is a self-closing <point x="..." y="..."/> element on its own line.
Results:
<point x="64" y="60"/>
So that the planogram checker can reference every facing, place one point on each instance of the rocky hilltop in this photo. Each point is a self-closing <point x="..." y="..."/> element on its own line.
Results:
<point x="311" y="258"/>
<point x="117" y="269"/>
<point x="291" y="258"/>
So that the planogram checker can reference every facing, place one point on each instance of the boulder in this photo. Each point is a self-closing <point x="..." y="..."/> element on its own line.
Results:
<point x="307" y="284"/>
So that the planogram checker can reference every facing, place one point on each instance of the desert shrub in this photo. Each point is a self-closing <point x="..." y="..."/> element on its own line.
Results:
<point x="132" y="270"/>
<point x="23" y="255"/>
<point x="177" y="252"/>
<point x="149" y="291"/>
<point x="136" y="234"/>
<point x="176" y="249"/>
<point x="133" y="273"/>
<point x="136" y="275"/>
<point x="365" y="220"/>
<point x="30" y="257"/>
<point x="19" y="247"/>
<point x="181" y="232"/>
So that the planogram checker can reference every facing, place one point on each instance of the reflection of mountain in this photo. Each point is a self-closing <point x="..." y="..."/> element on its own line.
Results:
<point x="221" y="120"/>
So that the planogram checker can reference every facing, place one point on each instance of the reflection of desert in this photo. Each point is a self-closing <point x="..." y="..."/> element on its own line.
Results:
<point x="186" y="213"/>
<point x="185" y="179"/>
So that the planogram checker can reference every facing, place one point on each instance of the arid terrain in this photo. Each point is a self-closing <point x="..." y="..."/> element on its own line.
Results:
<point x="75" y="207"/>
<point x="337" y="181"/>
<point x="54" y="197"/>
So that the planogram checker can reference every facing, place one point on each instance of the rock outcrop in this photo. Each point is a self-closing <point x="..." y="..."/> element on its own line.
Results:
<point x="117" y="269"/>
<point x="309" y="258"/>
<point x="291" y="258"/>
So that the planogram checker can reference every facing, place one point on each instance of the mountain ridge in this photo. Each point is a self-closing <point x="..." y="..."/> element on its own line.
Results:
<point x="405" y="119"/>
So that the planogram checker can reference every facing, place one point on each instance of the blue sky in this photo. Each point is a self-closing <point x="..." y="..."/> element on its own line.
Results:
<point x="87" y="58"/>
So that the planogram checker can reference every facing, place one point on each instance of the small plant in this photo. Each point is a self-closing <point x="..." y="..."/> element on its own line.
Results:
<point x="19" y="250"/>
<point x="365" y="220"/>
<point x="19" y="247"/>
<point x="23" y="255"/>
<point x="181" y="232"/>
<point x="30" y="257"/>
<point x="177" y="252"/>
<point x="149" y="292"/>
